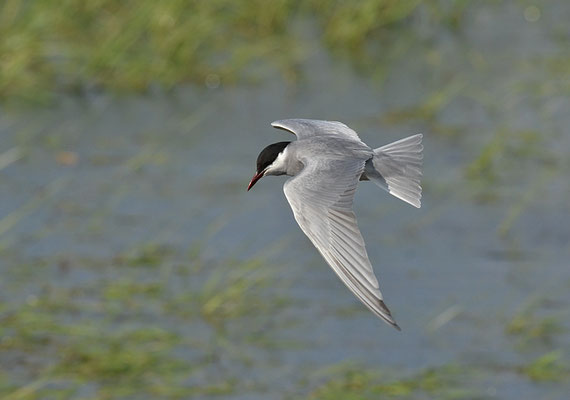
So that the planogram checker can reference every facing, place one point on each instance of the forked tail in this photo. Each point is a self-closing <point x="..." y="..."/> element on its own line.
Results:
<point x="397" y="168"/>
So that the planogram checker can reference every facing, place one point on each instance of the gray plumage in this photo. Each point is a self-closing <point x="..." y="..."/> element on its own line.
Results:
<point x="326" y="161"/>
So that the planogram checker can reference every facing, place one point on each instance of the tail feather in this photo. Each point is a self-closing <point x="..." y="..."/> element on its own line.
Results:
<point x="397" y="168"/>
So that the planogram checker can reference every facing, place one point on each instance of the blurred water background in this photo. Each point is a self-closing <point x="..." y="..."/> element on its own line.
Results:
<point x="133" y="264"/>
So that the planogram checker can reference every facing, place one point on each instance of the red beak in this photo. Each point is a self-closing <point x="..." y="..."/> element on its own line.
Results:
<point x="255" y="178"/>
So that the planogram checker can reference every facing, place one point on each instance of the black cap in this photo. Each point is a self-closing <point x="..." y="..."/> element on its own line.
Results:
<point x="269" y="154"/>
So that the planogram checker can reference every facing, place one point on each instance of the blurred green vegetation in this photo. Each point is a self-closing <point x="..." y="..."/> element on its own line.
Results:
<point x="121" y="336"/>
<point x="50" y="47"/>
<point x="535" y="324"/>
<point x="360" y="383"/>
<point x="129" y="336"/>
<point x="549" y="367"/>
<point x="452" y="381"/>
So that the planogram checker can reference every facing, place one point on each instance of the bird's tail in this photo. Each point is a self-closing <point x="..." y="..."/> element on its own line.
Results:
<point x="397" y="168"/>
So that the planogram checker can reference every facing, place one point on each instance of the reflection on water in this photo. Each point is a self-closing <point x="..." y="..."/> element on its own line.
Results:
<point x="134" y="261"/>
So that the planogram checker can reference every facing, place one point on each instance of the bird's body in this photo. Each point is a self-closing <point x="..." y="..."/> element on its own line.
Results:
<point x="326" y="162"/>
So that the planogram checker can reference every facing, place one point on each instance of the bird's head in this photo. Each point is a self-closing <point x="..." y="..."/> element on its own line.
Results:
<point x="271" y="161"/>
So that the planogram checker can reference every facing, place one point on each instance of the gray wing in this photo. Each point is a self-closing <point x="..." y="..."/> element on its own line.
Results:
<point x="321" y="198"/>
<point x="304" y="128"/>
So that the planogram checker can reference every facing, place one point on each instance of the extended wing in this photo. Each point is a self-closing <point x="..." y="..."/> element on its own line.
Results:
<point x="321" y="198"/>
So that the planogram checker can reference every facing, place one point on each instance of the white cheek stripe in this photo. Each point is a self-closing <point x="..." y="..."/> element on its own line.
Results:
<point x="279" y="164"/>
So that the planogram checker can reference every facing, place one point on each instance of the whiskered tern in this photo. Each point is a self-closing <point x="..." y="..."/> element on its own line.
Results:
<point x="326" y="162"/>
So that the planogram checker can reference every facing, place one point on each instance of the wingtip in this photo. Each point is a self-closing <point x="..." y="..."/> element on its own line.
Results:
<point x="388" y="315"/>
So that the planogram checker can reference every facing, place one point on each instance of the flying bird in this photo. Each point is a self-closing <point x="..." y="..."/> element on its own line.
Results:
<point x="326" y="162"/>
